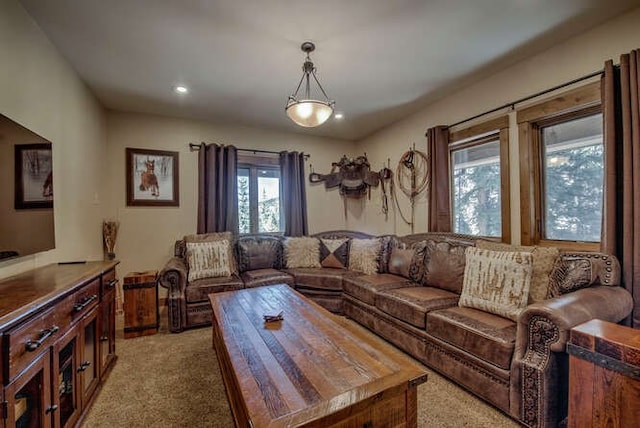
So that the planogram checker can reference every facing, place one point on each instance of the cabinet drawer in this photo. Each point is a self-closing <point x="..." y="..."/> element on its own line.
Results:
<point x="109" y="281"/>
<point x="26" y="341"/>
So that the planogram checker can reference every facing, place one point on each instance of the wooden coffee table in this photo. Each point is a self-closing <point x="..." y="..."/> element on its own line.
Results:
<point x="312" y="369"/>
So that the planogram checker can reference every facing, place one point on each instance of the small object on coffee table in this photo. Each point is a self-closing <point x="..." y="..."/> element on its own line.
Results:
<point x="274" y="318"/>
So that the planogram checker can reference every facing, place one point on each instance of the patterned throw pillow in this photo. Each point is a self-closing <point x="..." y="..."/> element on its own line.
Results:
<point x="497" y="281"/>
<point x="544" y="259"/>
<point x="302" y="252"/>
<point x="208" y="259"/>
<point x="334" y="253"/>
<point x="364" y="255"/>
<point x="212" y="237"/>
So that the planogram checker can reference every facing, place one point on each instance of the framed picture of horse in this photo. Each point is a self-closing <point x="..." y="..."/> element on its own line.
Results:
<point x="33" y="176"/>
<point x="152" y="178"/>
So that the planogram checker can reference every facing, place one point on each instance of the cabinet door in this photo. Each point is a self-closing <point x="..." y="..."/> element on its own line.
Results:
<point x="66" y="358"/>
<point x="107" y="331"/>
<point x="29" y="396"/>
<point x="89" y="367"/>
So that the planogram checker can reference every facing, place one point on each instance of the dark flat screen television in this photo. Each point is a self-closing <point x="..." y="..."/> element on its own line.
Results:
<point x="26" y="192"/>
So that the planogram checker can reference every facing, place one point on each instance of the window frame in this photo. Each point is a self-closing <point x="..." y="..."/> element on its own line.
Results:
<point x="253" y="163"/>
<point x="573" y="104"/>
<point x="491" y="130"/>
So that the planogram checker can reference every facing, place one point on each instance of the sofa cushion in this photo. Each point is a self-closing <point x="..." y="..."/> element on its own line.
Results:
<point x="334" y="253"/>
<point x="444" y="264"/>
<point x="208" y="259"/>
<point x="199" y="290"/>
<point x="319" y="278"/>
<point x="408" y="260"/>
<point x="302" y="252"/>
<point x="487" y="336"/>
<point x="544" y="259"/>
<point x="259" y="252"/>
<point x="260" y="277"/>
<point x="364" y="255"/>
<point x="411" y="304"/>
<point x="365" y="287"/>
<point x="497" y="281"/>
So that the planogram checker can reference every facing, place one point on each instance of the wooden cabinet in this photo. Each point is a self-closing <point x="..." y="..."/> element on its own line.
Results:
<point x="57" y="327"/>
<point x="604" y="376"/>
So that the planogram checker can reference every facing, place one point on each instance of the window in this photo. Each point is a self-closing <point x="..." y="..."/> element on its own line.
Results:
<point x="479" y="180"/>
<point x="572" y="179"/>
<point x="562" y="166"/>
<point x="259" y="202"/>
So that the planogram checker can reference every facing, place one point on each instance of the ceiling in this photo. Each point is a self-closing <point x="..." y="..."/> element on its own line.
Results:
<point x="379" y="60"/>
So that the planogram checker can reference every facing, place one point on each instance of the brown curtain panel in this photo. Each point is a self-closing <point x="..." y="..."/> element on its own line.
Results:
<point x="294" y="197"/>
<point x="217" y="189"/>
<point x="439" y="187"/>
<point x="621" y="216"/>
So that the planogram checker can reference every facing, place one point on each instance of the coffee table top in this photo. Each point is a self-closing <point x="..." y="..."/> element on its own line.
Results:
<point x="310" y="364"/>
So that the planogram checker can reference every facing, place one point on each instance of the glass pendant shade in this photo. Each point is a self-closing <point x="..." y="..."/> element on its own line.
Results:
<point x="303" y="109"/>
<point x="309" y="113"/>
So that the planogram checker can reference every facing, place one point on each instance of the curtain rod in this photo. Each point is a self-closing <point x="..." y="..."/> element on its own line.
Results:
<point x="527" y="98"/>
<point x="196" y="147"/>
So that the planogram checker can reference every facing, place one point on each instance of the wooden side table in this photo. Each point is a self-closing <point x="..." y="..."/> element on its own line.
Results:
<point x="604" y="375"/>
<point x="140" y="304"/>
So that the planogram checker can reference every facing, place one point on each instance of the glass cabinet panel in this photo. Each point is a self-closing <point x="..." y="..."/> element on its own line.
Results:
<point x="107" y="331"/>
<point x="66" y="381"/>
<point x="89" y="366"/>
<point x="28" y="396"/>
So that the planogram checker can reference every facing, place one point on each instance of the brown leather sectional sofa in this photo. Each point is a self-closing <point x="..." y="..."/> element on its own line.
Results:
<point x="520" y="367"/>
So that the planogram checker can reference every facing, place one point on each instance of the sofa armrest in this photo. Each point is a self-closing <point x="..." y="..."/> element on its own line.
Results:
<point x="540" y="368"/>
<point x="173" y="276"/>
<point x="563" y="313"/>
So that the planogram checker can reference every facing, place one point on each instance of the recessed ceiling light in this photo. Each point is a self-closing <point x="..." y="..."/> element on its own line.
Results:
<point x="180" y="89"/>
<point x="339" y="116"/>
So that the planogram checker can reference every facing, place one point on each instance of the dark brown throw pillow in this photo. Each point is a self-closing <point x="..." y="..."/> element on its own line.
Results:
<point x="571" y="274"/>
<point x="334" y="253"/>
<point x="445" y="262"/>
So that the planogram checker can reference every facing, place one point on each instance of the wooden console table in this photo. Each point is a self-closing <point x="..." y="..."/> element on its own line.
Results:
<point x="311" y="369"/>
<point x="57" y="328"/>
<point x="604" y="376"/>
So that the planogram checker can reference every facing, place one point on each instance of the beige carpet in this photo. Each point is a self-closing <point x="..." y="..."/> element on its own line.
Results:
<point x="173" y="380"/>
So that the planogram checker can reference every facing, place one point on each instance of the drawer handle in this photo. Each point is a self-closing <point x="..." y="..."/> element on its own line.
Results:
<point x="80" y="306"/>
<point x="104" y="338"/>
<point x="51" y="408"/>
<point x="111" y="284"/>
<point x="84" y="366"/>
<point x="32" y="345"/>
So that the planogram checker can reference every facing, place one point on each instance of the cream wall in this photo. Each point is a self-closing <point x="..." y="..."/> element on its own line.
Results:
<point x="147" y="234"/>
<point x="40" y="91"/>
<point x="576" y="57"/>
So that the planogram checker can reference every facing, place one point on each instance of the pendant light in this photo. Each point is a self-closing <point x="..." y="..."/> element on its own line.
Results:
<point x="301" y="107"/>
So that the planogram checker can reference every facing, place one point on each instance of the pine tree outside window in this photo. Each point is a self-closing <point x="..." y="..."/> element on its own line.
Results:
<point x="259" y="202"/>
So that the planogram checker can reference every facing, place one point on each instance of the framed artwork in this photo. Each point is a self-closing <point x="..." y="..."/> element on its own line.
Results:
<point x="33" y="176"/>
<point x="152" y="178"/>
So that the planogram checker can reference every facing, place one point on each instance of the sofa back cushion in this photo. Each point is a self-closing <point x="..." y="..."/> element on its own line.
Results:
<point x="497" y="281"/>
<point x="302" y="252"/>
<point x="259" y="252"/>
<point x="208" y="259"/>
<point x="408" y="260"/>
<point x="445" y="262"/>
<point x="544" y="259"/>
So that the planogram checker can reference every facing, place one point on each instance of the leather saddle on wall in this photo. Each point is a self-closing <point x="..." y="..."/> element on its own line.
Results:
<point x="352" y="176"/>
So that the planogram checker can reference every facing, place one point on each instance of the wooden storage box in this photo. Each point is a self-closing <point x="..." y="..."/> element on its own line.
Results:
<point x="140" y="304"/>
<point x="604" y="376"/>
